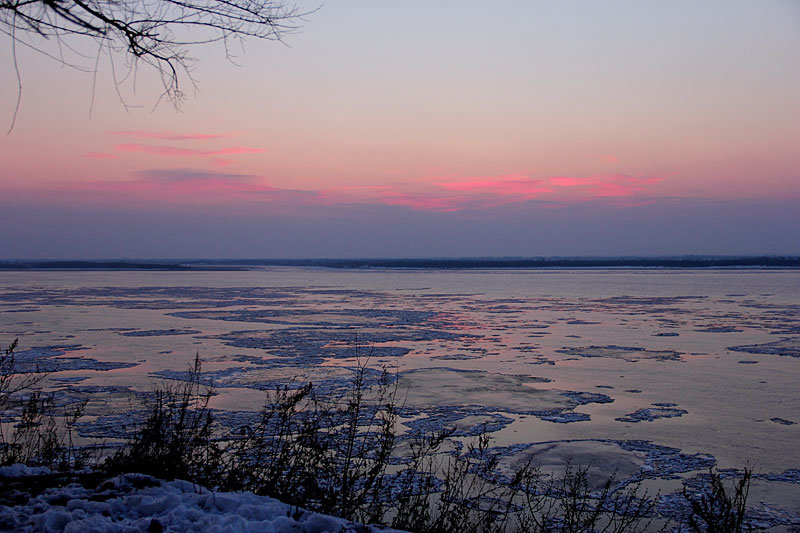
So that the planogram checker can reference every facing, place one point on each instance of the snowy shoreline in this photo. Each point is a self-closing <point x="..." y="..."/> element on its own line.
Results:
<point x="140" y="503"/>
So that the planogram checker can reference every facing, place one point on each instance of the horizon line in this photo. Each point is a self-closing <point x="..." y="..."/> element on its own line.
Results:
<point x="453" y="263"/>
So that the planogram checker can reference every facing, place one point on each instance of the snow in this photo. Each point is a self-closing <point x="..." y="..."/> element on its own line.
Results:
<point x="18" y="470"/>
<point x="139" y="503"/>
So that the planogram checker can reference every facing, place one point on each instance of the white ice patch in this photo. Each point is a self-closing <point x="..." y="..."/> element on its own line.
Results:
<point x="129" y="503"/>
<point x="19" y="470"/>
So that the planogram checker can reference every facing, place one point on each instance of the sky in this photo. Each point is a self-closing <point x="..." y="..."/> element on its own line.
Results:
<point x="411" y="129"/>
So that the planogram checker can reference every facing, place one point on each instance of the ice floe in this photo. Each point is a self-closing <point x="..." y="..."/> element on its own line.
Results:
<point x="649" y="414"/>
<point x="52" y="359"/>
<point x="627" y="353"/>
<point x="789" y="347"/>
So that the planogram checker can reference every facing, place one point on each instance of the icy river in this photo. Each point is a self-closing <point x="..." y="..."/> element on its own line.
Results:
<point x="653" y="374"/>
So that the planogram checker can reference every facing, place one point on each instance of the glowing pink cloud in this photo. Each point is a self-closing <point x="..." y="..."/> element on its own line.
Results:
<point x="100" y="155"/>
<point x="522" y="187"/>
<point x="446" y="202"/>
<point x="482" y="193"/>
<point x="184" y="152"/>
<point x="166" y="136"/>
<point x="562" y="181"/>
<point x="216" y="186"/>
<point x="449" y="196"/>
<point x="606" y="185"/>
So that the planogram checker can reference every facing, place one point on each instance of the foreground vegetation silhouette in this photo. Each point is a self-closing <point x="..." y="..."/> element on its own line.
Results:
<point x="343" y="454"/>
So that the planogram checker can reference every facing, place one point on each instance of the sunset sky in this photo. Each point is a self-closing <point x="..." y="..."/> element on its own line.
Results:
<point x="415" y="128"/>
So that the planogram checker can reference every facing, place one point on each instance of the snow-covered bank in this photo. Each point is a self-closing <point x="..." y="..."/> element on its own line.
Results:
<point x="139" y="503"/>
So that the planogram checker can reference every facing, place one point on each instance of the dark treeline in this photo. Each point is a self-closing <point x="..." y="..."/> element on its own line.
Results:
<point x="533" y="262"/>
<point x="90" y="265"/>
<point x="421" y="263"/>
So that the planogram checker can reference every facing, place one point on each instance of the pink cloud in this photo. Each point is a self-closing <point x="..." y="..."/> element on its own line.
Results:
<point x="494" y="191"/>
<point x="100" y="155"/>
<point x="184" y="152"/>
<point x="514" y="185"/>
<point x="606" y="185"/>
<point x="562" y="181"/>
<point x="216" y="186"/>
<point x="481" y="193"/>
<point x="414" y="195"/>
<point x="449" y="196"/>
<point x="236" y="150"/>
<point x="166" y="136"/>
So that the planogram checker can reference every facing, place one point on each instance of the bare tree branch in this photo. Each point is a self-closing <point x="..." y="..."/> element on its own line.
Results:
<point x="159" y="33"/>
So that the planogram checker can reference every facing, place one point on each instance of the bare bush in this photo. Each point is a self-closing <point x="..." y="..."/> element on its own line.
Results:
<point x="34" y="430"/>
<point x="339" y="455"/>
<point x="176" y="440"/>
<point x="716" y="509"/>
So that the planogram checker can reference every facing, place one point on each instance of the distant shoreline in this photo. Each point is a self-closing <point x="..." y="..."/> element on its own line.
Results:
<point x="490" y="263"/>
